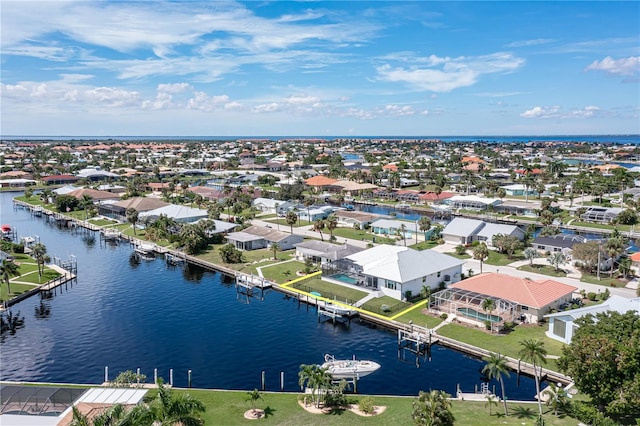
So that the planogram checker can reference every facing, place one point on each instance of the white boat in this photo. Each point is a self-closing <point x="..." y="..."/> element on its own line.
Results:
<point x="338" y="309"/>
<point x="146" y="250"/>
<point x="111" y="234"/>
<point x="348" y="368"/>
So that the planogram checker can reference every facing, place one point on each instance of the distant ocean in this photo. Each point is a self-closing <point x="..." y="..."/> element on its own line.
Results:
<point x="610" y="139"/>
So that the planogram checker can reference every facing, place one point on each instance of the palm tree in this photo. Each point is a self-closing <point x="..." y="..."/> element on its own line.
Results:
<point x="402" y="233"/>
<point x="491" y="400"/>
<point x="433" y="409"/>
<point x="556" y="259"/>
<point x="8" y="269"/>
<point x="275" y="247"/>
<point x="253" y="397"/>
<point x="424" y="224"/>
<point x="530" y="253"/>
<point x="481" y="253"/>
<point x="318" y="225"/>
<point x="165" y="409"/>
<point x="85" y="202"/>
<point x="496" y="368"/>
<point x="557" y="398"/>
<point x="533" y="351"/>
<point x="39" y="252"/>
<point x="132" y="217"/>
<point x="291" y="219"/>
<point x="331" y="223"/>
<point x="488" y="305"/>
<point x="314" y="377"/>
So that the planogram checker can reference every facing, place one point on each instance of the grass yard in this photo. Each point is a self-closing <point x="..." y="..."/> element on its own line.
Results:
<point x="543" y="269"/>
<point x="500" y="259"/>
<point x="393" y="306"/>
<point x="331" y="290"/>
<point x="424" y="245"/>
<point x="358" y="234"/>
<point x="418" y="318"/>
<point x="605" y="280"/>
<point x="505" y="344"/>
<point x="283" y="409"/>
<point x="281" y="272"/>
<point x="102" y="222"/>
<point x="34" y="278"/>
<point x="16" y="290"/>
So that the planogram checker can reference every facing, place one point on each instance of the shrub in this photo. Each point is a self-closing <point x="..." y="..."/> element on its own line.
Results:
<point x="18" y="248"/>
<point x="460" y="250"/>
<point x="592" y="296"/>
<point x="487" y="324"/>
<point x="444" y="316"/>
<point x="366" y="405"/>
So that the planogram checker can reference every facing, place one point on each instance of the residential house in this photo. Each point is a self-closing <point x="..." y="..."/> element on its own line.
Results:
<point x="322" y="252"/>
<point x="557" y="243"/>
<point x="118" y="210"/>
<point x="398" y="271"/>
<point x="272" y="206"/>
<point x="179" y="213"/>
<point x="257" y="237"/>
<point x="392" y="227"/>
<point x="465" y="231"/>
<point x="562" y="324"/>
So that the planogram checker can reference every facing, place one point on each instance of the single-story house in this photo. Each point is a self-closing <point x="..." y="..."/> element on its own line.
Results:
<point x="99" y="197"/>
<point x="397" y="271"/>
<point x="465" y="231"/>
<point x="118" y="210"/>
<point x="257" y="237"/>
<point x="533" y="298"/>
<point x="557" y="243"/>
<point x="601" y="214"/>
<point x="392" y="226"/>
<point x="471" y="202"/>
<point x="562" y="324"/>
<point x="95" y="173"/>
<point x="271" y="205"/>
<point x="313" y="213"/>
<point x="323" y="252"/>
<point x="59" y="179"/>
<point x="182" y="214"/>
<point x="16" y="183"/>
<point x="351" y="218"/>
<point x="518" y="189"/>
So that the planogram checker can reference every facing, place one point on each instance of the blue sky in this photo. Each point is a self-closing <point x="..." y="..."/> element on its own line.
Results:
<point x="306" y="68"/>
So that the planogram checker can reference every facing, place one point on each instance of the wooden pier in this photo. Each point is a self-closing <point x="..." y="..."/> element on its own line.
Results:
<point x="335" y="312"/>
<point x="416" y="339"/>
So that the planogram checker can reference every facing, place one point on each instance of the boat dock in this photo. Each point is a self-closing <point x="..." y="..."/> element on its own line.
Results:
<point x="416" y="339"/>
<point x="250" y="281"/>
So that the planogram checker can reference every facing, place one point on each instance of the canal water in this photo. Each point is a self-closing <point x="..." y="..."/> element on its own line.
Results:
<point x="128" y="314"/>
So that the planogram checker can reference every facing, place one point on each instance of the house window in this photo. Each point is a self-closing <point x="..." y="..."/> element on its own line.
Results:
<point x="447" y="278"/>
<point x="392" y="285"/>
<point x="559" y="327"/>
<point x="524" y="308"/>
<point x="439" y="274"/>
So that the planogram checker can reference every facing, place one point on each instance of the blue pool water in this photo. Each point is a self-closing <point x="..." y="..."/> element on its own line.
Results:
<point x="480" y="316"/>
<point x="127" y="314"/>
<point x="344" y="278"/>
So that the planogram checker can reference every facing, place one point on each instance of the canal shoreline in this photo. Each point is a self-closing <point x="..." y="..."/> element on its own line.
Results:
<point x="424" y="334"/>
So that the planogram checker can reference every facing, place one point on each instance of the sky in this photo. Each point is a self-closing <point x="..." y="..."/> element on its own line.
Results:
<point x="319" y="68"/>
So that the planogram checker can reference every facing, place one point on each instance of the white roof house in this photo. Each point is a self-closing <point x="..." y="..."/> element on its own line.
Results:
<point x="464" y="231"/>
<point x="396" y="270"/>
<point x="177" y="212"/>
<point x="562" y="324"/>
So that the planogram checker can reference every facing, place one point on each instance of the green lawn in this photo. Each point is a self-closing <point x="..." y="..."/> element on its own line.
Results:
<point x="356" y="234"/>
<point x="500" y="259"/>
<point x="418" y="318"/>
<point x="16" y="289"/>
<point x="47" y="275"/>
<point x="604" y="280"/>
<point x="102" y="222"/>
<point x="281" y="272"/>
<point x="331" y="290"/>
<point x="424" y="245"/>
<point x="283" y="409"/>
<point x="282" y="223"/>
<point x="505" y="344"/>
<point x="393" y="306"/>
<point x="543" y="269"/>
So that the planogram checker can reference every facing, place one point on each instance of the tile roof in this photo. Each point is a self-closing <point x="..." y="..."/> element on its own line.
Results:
<point x="536" y="294"/>
<point x="320" y="181"/>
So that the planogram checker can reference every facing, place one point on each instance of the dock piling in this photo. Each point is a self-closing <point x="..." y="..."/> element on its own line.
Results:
<point x="189" y="378"/>
<point x="171" y="376"/>
<point x="106" y="373"/>
<point x="281" y="380"/>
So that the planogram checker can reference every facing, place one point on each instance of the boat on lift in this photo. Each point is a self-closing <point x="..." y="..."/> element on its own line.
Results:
<point x="348" y="368"/>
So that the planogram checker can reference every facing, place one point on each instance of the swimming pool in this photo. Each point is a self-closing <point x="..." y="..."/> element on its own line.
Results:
<point x="344" y="278"/>
<point x="480" y="316"/>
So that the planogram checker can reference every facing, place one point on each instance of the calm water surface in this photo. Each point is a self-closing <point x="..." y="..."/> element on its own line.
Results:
<point x="129" y="315"/>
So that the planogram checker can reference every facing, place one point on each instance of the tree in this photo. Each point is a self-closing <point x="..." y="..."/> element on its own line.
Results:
<point x="488" y="305"/>
<point x="39" y="253"/>
<point x="602" y="359"/>
<point x="506" y="243"/>
<point x="291" y="219"/>
<point x="614" y="247"/>
<point x="85" y="203"/>
<point x="253" y="397"/>
<point x="132" y="217"/>
<point x="624" y="266"/>
<point x="331" y="224"/>
<point x="587" y="254"/>
<point x="167" y="409"/>
<point x="533" y="351"/>
<point x="192" y="238"/>
<point x="496" y="368"/>
<point x="556" y="259"/>
<point x="481" y="253"/>
<point x="318" y="225"/>
<point x="401" y="232"/>
<point x="530" y="253"/>
<point x="491" y="400"/>
<point x="433" y="409"/>
<point x="274" y="248"/>
<point x="315" y="378"/>
<point x="424" y="223"/>
<point x="8" y="269"/>
<point x="230" y="254"/>
<point x="557" y="398"/>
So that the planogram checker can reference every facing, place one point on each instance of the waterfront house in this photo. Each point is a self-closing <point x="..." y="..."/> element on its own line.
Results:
<point x="465" y="231"/>
<point x="59" y="179"/>
<point x="471" y="202"/>
<point x="179" y="213"/>
<point x="562" y="324"/>
<point x="258" y="237"/>
<point x="98" y="197"/>
<point x="118" y="210"/>
<point x="352" y="218"/>
<point x="604" y="215"/>
<point x="557" y="243"/>
<point x="397" y="271"/>
<point x="95" y="173"/>
<point x="392" y="227"/>
<point x="323" y="252"/>
<point x="514" y="296"/>
<point x="272" y="206"/>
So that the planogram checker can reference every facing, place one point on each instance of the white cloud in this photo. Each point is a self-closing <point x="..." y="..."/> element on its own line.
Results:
<point x="266" y="108"/>
<point x="586" y="112"/>
<point x="556" y="112"/>
<point x="628" y="67"/>
<point x="541" y="112"/>
<point x="533" y="42"/>
<point x="447" y="74"/>
<point x="202" y="101"/>
<point x="174" y="88"/>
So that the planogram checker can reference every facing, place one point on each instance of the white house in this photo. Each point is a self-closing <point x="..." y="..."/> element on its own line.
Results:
<point x="465" y="231"/>
<point x="562" y="324"/>
<point x="323" y="252"/>
<point x="270" y="205"/>
<point x="179" y="213"/>
<point x="257" y="237"/>
<point x="396" y="270"/>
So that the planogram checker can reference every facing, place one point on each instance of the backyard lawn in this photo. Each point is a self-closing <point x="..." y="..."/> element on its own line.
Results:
<point x="420" y="319"/>
<point x="357" y="234"/>
<point x="281" y="272"/>
<point x="543" y="269"/>
<point x="385" y="305"/>
<point x="508" y="344"/>
<point x="330" y="290"/>
<point x="283" y="409"/>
